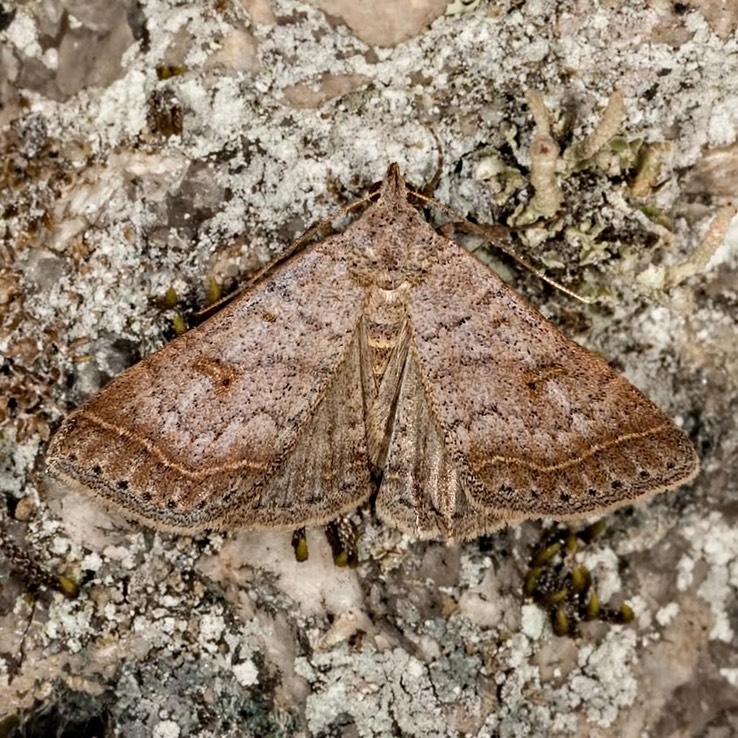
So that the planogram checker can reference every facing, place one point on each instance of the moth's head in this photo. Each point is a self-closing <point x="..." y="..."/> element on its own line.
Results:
<point x="393" y="189"/>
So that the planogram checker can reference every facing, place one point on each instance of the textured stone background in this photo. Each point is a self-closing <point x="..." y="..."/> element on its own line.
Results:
<point x="288" y="111"/>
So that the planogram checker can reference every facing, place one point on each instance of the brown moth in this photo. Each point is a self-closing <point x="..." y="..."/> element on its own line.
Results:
<point x="386" y="358"/>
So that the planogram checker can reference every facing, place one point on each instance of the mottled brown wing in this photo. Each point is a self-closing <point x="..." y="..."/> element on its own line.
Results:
<point x="537" y="424"/>
<point x="254" y="419"/>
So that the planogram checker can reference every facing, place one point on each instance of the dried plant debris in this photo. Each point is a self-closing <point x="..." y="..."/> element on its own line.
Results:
<point x="35" y="169"/>
<point x="532" y="190"/>
<point x="24" y="399"/>
<point x="564" y="588"/>
<point x="549" y="166"/>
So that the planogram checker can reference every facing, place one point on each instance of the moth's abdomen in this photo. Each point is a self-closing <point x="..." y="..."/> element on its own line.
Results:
<point x="383" y="322"/>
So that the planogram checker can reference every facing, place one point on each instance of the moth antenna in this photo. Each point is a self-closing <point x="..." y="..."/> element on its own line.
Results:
<point x="487" y="233"/>
<point x="319" y="230"/>
<point x="430" y="187"/>
<point x="491" y="234"/>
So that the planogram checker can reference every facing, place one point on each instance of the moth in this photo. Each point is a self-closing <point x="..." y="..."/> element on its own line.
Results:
<point x="382" y="360"/>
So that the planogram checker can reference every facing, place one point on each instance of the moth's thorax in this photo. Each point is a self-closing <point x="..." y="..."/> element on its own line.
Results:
<point x="389" y="248"/>
<point x="384" y="318"/>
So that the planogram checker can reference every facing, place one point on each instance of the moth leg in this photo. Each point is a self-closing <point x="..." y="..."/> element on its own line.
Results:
<point x="342" y="537"/>
<point x="300" y="544"/>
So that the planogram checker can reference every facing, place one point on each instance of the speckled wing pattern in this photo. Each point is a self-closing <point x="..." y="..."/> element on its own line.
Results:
<point x="536" y="425"/>
<point x="386" y="354"/>
<point x="241" y="422"/>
